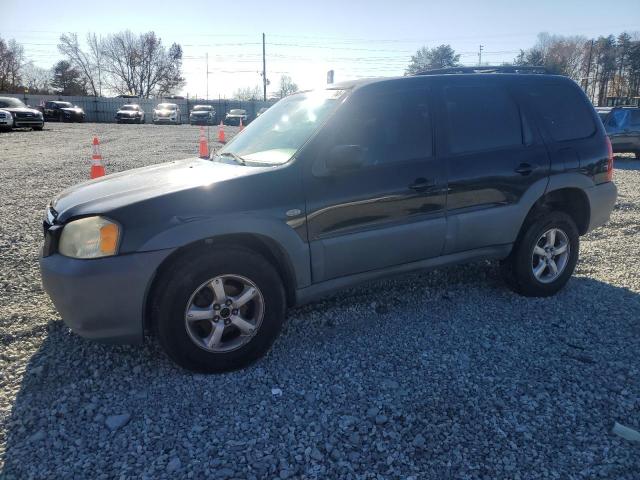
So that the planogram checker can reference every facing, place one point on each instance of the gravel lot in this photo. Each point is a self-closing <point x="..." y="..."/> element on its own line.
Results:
<point x="437" y="375"/>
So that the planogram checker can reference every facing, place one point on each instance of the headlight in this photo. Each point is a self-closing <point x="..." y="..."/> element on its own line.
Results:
<point x="90" y="237"/>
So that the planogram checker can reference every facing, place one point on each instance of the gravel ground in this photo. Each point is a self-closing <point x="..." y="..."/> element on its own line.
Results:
<point x="437" y="375"/>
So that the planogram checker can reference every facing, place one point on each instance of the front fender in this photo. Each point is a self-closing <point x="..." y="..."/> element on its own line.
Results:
<point x="202" y="228"/>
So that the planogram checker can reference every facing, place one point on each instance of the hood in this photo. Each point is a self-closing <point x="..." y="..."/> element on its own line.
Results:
<point x="21" y="110"/>
<point x="203" y="113"/>
<point x="72" y="109"/>
<point x="127" y="112"/>
<point x="141" y="184"/>
<point x="236" y="115"/>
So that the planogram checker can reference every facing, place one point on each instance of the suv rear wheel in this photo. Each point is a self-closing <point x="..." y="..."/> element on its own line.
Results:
<point x="543" y="259"/>
<point x="219" y="311"/>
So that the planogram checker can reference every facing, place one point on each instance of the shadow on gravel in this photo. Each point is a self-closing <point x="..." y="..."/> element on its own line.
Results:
<point x="438" y="375"/>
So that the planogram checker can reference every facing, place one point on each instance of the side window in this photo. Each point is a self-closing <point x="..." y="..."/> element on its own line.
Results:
<point x="564" y="111"/>
<point x="617" y="118"/>
<point x="634" y="119"/>
<point x="481" y="118"/>
<point x="390" y="127"/>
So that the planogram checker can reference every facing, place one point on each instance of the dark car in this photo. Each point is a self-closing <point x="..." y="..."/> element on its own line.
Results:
<point x="202" y="115"/>
<point x="63" y="112"/>
<point x="130" y="113"/>
<point x="622" y="124"/>
<point x="235" y="116"/>
<point x="23" y="116"/>
<point x="325" y="190"/>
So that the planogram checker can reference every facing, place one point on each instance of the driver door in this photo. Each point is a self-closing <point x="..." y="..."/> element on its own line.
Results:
<point x="390" y="210"/>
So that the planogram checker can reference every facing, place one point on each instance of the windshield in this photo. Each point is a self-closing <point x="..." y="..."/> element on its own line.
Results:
<point x="201" y="107"/>
<point x="129" y="107"/>
<point x="64" y="104"/>
<point x="11" y="103"/>
<point x="167" y="106"/>
<point x="237" y="112"/>
<point x="276" y="135"/>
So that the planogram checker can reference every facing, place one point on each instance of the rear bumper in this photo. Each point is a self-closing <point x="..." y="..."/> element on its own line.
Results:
<point x="602" y="198"/>
<point x="102" y="299"/>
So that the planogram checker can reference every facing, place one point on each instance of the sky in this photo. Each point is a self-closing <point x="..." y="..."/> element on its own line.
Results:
<point x="305" y="39"/>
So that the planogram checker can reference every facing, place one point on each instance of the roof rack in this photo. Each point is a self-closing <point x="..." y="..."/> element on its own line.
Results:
<point x="486" y="69"/>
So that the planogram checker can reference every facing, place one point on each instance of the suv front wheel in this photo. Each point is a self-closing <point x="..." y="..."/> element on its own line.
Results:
<point x="218" y="311"/>
<point x="544" y="257"/>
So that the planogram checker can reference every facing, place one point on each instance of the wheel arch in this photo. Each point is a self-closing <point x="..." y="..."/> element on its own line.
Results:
<point x="571" y="200"/>
<point x="261" y="244"/>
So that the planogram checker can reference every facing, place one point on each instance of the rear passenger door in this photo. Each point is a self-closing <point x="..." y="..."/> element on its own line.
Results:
<point x="493" y="157"/>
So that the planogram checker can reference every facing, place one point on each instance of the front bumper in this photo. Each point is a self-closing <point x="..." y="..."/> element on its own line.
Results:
<point x="102" y="299"/>
<point x="201" y="120"/>
<point x="28" y="122"/>
<point x="128" y="119"/>
<point x="602" y="198"/>
<point x="165" y="120"/>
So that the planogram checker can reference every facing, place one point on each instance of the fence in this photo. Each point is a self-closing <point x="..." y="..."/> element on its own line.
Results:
<point x="103" y="109"/>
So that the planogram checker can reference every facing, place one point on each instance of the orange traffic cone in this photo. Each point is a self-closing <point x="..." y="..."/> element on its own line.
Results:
<point x="204" y="147"/>
<point x="241" y="125"/>
<point x="221" y="133"/>
<point x="97" y="167"/>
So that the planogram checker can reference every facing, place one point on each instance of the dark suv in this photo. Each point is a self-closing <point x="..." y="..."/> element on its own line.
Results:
<point x="324" y="190"/>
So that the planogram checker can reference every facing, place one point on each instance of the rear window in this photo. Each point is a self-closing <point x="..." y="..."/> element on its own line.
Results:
<point x="482" y="117"/>
<point x="564" y="111"/>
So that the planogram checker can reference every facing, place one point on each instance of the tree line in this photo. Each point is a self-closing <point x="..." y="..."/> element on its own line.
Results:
<point x="122" y="63"/>
<point x="604" y="67"/>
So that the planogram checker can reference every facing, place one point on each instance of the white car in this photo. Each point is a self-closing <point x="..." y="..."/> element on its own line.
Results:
<point x="167" y="113"/>
<point x="6" y="120"/>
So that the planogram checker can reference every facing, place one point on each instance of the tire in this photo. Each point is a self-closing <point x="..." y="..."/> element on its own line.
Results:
<point x="518" y="268"/>
<point x="177" y="290"/>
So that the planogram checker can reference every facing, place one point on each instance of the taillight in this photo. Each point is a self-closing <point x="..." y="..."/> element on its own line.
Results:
<point x="609" y="160"/>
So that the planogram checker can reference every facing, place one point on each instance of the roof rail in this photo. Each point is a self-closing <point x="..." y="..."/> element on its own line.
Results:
<point x="486" y="69"/>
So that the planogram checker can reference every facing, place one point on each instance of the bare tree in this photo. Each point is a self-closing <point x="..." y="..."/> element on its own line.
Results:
<point x="36" y="79"/>
<point x="11" y="60"/>
<point x="141" y="65"/>
<point x="287" y="86"/>
<point x="84" y="62"/>
<point x="248" y="93"/>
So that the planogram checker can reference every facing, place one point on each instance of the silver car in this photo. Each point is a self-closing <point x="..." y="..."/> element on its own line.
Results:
<point x="167" y="113"/>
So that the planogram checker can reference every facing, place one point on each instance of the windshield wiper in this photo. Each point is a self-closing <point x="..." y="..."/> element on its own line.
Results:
<point x="235" y="156"/>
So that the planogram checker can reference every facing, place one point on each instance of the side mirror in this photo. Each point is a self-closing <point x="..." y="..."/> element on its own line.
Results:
<point x="345" y="158"/>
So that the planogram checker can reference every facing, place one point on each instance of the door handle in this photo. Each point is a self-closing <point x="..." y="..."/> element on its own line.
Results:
<point x="525" y="169"/>
<point x="422" y="185"/>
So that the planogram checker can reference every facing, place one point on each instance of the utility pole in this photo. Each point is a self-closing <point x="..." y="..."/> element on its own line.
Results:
<point x="586" y="80"/>
<point x="207" y="62"/>
<point x="264" y="71"/>
<point x="480" y="55"/>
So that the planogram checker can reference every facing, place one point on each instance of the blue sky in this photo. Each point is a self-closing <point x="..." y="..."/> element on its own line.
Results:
<point x="307" y="38"/>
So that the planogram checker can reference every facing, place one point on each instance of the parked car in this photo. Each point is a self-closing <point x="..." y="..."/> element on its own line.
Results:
<point x="23" y="116"/>
<point x="261" y="111"/>
<point x="131" y="113"/>
<point x="235" y="115"/>
<point x="6" y="120"/>
<point x="325" y="190"/>
<point x="167" y="113"/>
<point x="202" y="115"/>
<point x="63" y="112"/>
<point x="622" y="124"/>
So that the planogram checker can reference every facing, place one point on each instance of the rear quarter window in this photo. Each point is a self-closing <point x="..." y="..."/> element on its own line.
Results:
<point x="563" y="110"/>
